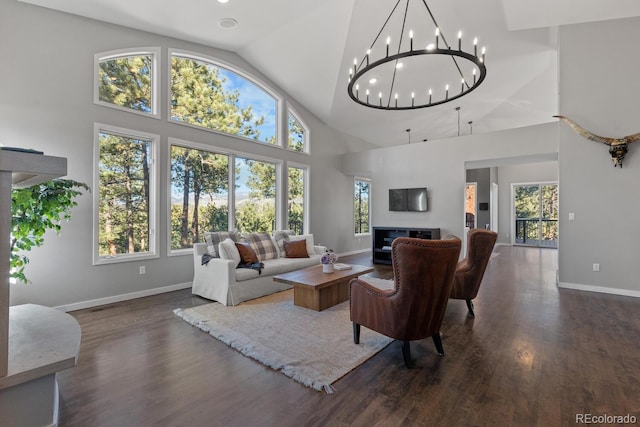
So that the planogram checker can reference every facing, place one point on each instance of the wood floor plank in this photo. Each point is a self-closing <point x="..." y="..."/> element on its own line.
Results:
<point x="533" y="355"/>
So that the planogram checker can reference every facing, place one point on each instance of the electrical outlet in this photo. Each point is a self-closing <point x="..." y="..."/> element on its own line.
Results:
<point x="596" y="267"/>
<point x="143" y="269"/>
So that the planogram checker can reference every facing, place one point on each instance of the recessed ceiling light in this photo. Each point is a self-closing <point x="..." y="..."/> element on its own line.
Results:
<point x="227" y="23"/>
<point x="373" y="81"/>
<point x="223" y="1"/>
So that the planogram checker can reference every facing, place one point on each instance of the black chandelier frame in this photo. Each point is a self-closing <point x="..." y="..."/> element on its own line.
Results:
<point x="359" y="70"/>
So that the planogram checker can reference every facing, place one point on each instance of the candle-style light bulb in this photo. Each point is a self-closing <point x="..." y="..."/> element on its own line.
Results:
<point x="388" y="42"/>
<point x="474" y="76"/>
<point x="410" y="39"/>
<point x="484" y="50"/>
<point x="459" y="40"/>
<point x="475" y="46"/>
<point x="462" y="85"/>
<point x="380" y="98"/>
<point x="430" y="93"/>
<point x="367" y="96"/>
<point x="413" y="99"/>
<point x="446" y="95"/>
<point x="396" y="97"/>
<point x="357" y="88"/>
<point x="437" y="36"/>
<point x="366" y="57"/>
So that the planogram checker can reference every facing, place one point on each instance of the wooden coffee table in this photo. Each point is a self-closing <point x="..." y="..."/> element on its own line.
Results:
<point x="316" y="290"/>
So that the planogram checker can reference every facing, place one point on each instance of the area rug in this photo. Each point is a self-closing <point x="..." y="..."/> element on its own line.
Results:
<point x="314" y="348"/>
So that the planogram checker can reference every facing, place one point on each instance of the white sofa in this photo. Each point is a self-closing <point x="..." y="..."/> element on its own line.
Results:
<point x="221" y="281"/>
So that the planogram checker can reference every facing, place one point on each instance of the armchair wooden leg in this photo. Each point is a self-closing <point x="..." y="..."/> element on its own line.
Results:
<point x="438" y="342"/>
<point x="356" y="333"/>
<point x="406" y="353"/>
<point x="470" y="308"/>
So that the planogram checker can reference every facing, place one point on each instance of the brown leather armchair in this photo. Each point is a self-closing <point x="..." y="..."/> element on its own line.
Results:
<point x="471" y="269"/>
<point x="423" y="273"/>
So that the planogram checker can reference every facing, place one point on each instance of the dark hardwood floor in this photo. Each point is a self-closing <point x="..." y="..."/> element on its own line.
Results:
<point x="534" y="355"/>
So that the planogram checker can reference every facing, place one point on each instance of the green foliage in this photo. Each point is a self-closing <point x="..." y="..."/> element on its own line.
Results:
<point x="361" y="207"/>
<point x="196" y="175"/>
<point x="296" y="200"/>
<point x="124" y="195"/>
<point x="532" y="203"/>
<point x="34" y="210"/>
<point x="127" y="82"/>
<point x="296" y="134"/>
<point x="198" y="98"/>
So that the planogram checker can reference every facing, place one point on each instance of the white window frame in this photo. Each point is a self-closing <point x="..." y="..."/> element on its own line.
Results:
<point x="306" y="149"/>
<point x="355" y="180"/>
<point x="155" y="77"/>
<point x="280" y="198"/>
<point x="153" y="194"/>
<point x="306" y="214"/>
<point x="280" y="143"/>
<point x="280" y="193"/>
<point x="195" y="146"/>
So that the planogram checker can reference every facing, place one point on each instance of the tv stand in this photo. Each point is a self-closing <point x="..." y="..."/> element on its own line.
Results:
<point x="384" y="236"/>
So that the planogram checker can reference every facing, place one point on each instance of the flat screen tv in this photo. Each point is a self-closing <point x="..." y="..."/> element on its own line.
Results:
<point x="408" y="199"/>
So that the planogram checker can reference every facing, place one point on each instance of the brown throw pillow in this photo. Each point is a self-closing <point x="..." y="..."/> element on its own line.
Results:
<point x="296" y="248"/>
<point x="247" y="254"/>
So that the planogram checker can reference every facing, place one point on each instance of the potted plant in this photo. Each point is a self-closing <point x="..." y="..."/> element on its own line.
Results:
<point x="34" y="210"/>
<point x="328" y="259"/>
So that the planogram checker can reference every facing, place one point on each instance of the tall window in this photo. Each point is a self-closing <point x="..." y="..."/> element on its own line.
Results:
<point x="297" y="140"/>
<point x="208" y="95"/>
<point x="255" y="195"/>
<point x="361" y="206"/>
<point x="125" y="182"/>
<point x="296" y="199"/>
<point x="199" y="194"/>
<point x="127" y="80"/>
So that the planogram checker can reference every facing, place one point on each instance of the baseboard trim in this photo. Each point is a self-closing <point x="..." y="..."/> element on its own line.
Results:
<point x="600" y="289"/>
<point x="122" y="297"/>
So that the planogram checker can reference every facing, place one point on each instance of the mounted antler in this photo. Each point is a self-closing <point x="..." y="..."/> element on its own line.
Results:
<point x="618" y="147"/>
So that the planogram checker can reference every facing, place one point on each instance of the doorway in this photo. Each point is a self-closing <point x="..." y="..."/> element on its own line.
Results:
<point x="535" y="207"/>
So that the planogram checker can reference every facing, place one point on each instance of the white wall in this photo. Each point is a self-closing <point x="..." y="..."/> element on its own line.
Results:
<point x="46" y="103"/>
<point x="441" y="165"/>
<point x="599" y="89"/>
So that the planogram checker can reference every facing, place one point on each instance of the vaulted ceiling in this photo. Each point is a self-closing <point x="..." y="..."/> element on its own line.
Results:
<point x="307" y="47"/>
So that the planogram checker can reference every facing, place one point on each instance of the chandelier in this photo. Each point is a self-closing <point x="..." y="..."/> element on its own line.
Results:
<point x="386" y="78"/>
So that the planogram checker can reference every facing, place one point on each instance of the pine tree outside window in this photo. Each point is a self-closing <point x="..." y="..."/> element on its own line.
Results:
<point x="125" y="194"/>
<point x="297" y="198"/>
<point x="210" y="96"/>
<point x="297" y="132"/>
<point x="127" y="80"/>
<point x="199" y="194"/>
<point x="361" y="206"/>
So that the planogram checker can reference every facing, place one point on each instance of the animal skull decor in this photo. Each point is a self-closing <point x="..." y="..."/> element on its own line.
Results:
<point x="618" y="147"/>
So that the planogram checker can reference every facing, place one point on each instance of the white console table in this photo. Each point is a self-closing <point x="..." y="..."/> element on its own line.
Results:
<point x="35" y="341"/>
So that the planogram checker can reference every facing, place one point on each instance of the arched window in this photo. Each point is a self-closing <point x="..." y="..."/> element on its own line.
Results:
<point x="297" y="134"/>
<point x="206" y="94"/>
<point x="127" y="80"/>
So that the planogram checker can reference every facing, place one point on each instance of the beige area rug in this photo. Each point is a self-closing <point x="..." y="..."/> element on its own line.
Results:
<point x="314" y="348"/>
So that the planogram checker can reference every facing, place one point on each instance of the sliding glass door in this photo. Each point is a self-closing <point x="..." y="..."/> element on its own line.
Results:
<point x="536" y="214"/>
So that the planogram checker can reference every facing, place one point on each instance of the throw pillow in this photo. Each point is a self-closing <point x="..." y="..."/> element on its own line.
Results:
<point x="247" y="254"/>
<point x="280" y="236"/>
<point x="296" y="248"/>
<point x="262" y="245"/>
<point x="228" y="250"/>
<point x="309" y="239"/>
<point x="213" y="239"/>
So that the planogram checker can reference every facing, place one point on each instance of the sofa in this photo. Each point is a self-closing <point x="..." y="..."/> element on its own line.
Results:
<point x="221" y="275"/>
